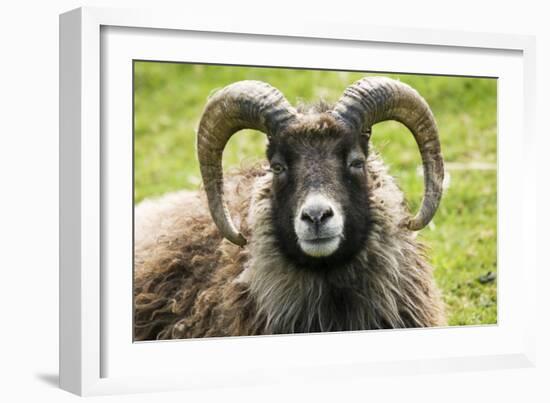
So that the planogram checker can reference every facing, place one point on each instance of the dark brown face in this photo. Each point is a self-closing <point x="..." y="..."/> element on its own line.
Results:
<point x="320" y="197"/>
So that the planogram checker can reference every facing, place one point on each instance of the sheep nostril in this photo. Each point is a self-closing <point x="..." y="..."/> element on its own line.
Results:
<point x="306" y="217"/>
<point x="317" y="214"/>
<point x="327" y="214"/>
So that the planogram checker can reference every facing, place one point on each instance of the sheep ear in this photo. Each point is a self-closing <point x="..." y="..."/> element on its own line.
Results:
<point x="364" y="139"/>
<point x="367" y="133"/>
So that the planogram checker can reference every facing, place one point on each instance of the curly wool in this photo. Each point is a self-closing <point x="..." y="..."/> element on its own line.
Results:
<point x="189" y="282"/>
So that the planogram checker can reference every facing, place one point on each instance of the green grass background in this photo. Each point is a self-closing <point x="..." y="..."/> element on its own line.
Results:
<point x="168" y="101"/>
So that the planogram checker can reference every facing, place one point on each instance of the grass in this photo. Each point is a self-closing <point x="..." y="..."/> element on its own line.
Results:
<point x="169" y="99"/>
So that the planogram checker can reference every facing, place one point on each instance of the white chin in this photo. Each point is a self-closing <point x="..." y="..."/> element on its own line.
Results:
<point x="320" y="248"/>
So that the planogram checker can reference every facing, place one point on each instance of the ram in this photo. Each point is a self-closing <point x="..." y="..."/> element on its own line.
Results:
<point x="325" y="239"/>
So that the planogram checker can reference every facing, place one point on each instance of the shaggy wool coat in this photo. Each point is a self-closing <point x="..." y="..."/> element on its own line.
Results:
<point x="189" y="282"/>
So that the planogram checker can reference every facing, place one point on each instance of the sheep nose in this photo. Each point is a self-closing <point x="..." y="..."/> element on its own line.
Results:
<point x="317" y="213"/>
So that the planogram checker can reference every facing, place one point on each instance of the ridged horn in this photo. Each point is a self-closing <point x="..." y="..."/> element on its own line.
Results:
<point x="242" y="105"/>
<point x="376" y="99"/>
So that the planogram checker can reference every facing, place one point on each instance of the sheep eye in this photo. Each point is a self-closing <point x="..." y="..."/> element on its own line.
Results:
<point x="277" y="168"/>
<point x="357" y="164"/>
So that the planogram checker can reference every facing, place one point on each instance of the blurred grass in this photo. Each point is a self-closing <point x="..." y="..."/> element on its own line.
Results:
<point x="169" y="98"/>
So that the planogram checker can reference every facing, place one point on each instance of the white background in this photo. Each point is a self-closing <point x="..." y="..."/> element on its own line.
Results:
<point x="29" y="187"/>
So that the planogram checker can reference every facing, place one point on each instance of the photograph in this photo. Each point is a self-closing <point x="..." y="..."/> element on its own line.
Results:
<point x="278" y="201"/>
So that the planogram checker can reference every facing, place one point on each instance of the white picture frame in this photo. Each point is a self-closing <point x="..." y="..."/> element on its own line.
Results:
<point x="96" y="43"/>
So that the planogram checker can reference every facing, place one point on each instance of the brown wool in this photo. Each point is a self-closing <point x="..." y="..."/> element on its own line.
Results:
<point x="189" y="282"/>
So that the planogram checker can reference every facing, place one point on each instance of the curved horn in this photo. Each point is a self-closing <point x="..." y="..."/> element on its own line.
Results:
<point x="242" y="105"/>
<point x="376" y="99"/>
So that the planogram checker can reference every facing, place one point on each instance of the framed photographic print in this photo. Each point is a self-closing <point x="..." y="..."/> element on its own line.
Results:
<point x="316" y="199"/>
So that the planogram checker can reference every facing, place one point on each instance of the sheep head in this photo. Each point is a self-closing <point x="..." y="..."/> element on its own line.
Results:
<point x="318" y="161"/>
